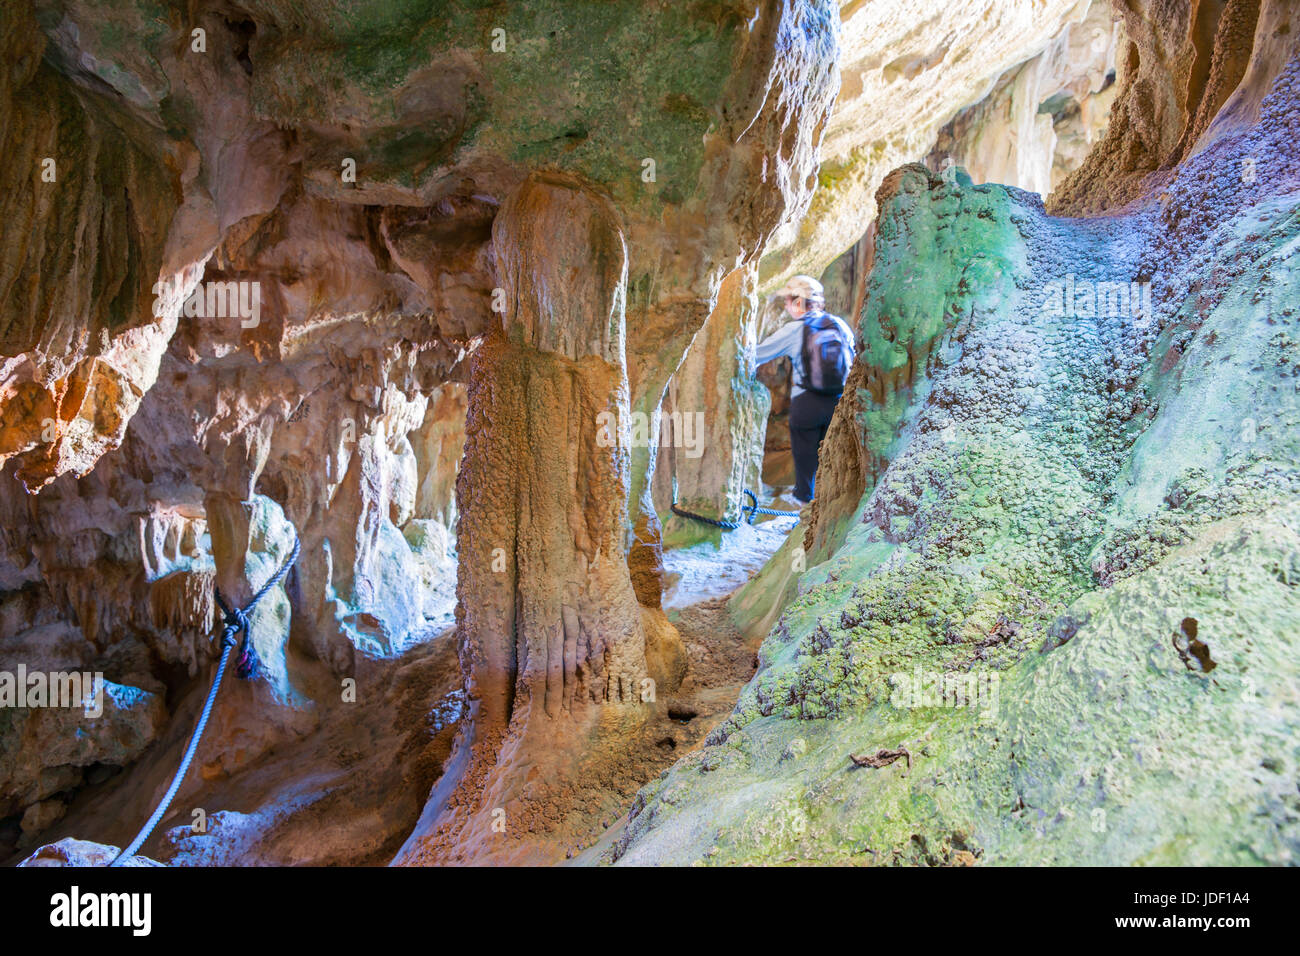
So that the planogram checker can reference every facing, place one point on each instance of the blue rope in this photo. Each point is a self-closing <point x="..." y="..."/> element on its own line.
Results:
<point x="748" y="511"/>
<point x="754" y="509"/>
<point x="130" y="851"/>
<point x="724" y="525"/>
<point x="235" y="622"/>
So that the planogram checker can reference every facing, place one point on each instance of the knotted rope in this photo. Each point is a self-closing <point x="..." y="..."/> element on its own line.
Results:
<point x="748" y="511"/>
<point x="234" y="621"/>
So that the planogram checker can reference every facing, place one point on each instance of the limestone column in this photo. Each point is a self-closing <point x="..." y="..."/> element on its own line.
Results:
<point x="712" y="427"/>
<point x="548" y="620"/>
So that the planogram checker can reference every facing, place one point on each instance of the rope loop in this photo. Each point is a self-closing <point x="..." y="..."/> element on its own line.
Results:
<point x="234" y="621"/>
<point x="747" y="512"/>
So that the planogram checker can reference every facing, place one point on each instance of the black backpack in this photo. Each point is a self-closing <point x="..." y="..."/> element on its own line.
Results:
<point x="826" y="354"/>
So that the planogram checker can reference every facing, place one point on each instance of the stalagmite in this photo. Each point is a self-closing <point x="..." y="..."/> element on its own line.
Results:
<point x="549" y="624"/>
<point x="716" y="410"/>
<point x="452" y="301"/>
<point x="544" y="481"/>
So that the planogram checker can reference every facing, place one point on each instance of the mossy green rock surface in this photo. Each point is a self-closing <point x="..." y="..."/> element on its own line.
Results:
<point x="1062" y="627"/>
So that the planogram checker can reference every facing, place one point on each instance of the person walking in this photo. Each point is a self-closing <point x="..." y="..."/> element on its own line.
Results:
<point x="820" y="347"/>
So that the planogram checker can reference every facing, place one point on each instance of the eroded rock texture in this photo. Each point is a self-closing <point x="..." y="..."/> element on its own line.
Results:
<point x="712" y="416"/>
<point x="239" y="302"/>
<point x="1186" y="68"/>
<point x="1058" y="518"/>
<point x="1043" y="116"/>
<point x="88" y="197"/>
<point x="438" y="291"/>
<point x="908" y="68"/>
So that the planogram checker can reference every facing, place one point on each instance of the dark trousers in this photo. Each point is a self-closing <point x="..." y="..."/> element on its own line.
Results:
<point x="810" y="413"/>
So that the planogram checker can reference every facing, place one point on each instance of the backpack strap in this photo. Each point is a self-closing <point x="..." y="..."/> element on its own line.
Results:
<point x="822" y="320"/>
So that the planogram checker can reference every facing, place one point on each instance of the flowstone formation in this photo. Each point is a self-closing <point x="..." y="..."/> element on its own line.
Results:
<point x="549" y="624"/>
<point x="713" y="413"/>
<point x="244" y="304"/>
<point x="907" y="69"/>
<point x="1060" y="514"/>
<point x="453" y="295"/>
<point x="1043" y="116"/>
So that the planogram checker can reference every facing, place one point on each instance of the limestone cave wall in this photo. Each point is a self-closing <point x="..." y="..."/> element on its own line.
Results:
<point x="459" y="297"/>
<point x="1050" y="591"/>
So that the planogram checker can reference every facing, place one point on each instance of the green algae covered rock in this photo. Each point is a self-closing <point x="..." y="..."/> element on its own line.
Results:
<point x="1061" y="624"/>
<point x="1113" y="748"/>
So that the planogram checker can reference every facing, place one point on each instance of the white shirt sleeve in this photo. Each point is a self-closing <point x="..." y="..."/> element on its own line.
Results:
<point x="787" y="340"/>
